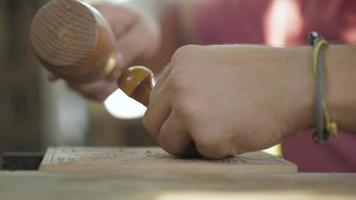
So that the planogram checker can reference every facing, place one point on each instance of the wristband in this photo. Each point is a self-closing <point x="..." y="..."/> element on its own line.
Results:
<point x="324" y="125"/>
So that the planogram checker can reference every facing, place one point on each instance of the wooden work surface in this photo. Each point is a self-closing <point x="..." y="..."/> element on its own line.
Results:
<point x="162" y="184"/>
<point x="170" y="186"/>
<point x="81" y="159"/>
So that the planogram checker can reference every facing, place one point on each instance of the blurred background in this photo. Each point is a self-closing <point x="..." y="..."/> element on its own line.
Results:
<point x="34" y="113"/>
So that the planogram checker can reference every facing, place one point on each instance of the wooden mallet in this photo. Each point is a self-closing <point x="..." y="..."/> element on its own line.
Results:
<point x="74" y="42"/>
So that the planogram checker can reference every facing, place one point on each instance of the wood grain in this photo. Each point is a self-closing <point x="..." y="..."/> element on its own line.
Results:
<point x="81" y="159"/>
<point x="73" y="41"/>
<point x="171" y="186"/>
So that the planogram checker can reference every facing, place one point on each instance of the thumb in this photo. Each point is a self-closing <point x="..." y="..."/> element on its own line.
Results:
<point x="141" y="40"/>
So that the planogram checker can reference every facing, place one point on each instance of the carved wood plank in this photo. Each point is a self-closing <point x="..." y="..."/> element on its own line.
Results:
<point x="156" y="160"/>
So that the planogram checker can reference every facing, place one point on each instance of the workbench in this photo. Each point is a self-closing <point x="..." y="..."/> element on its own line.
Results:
<point x="158" y="184"/>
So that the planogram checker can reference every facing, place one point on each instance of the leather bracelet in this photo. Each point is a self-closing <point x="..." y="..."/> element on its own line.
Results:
<point x="324" y="125"/>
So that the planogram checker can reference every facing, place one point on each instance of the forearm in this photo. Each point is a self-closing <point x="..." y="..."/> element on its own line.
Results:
<point x="340" y="85"/>
<point x="286" y="73"/>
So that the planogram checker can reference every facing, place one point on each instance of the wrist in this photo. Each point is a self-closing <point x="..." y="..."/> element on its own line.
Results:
<point x="340" y="96"/>
<point x="300" y="109"/>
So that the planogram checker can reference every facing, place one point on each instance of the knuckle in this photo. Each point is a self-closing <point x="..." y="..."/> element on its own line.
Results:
<point x="212" y="145"/>
<point x="185" y="107"/>
<point x="170" y="148"/>
<point x="183" y="52"/>
<point x="178" y="83"/>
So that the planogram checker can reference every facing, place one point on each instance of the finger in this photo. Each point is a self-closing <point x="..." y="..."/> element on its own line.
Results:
<point x="98" y="91"/>
<point x="174" y="137"/>
<point x="157" y="112"/>
<point x="162" y="77"/>
<point x="120" y="62"/>
<point x="134" y="44"/>
<point x="119" y="18"/>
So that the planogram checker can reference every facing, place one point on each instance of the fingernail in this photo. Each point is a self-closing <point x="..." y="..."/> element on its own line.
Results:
<point x="120" y="61"/>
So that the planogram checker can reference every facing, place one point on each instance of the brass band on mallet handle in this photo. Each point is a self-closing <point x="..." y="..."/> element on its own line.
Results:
<point x="74" y="42"/>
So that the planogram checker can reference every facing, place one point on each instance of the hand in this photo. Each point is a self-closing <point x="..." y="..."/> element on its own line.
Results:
<point x="137" y="31"/>
<point x="228" y="100"/>
<point x="97" y="91"/>
<point x="137" y="35"/>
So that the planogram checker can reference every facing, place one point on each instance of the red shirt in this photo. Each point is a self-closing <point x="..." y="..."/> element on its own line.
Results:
<point x="287" y="23"/>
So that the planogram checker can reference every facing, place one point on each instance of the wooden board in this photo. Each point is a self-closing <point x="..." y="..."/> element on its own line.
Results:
<point x="66" y="159"/>
<point x="170" y="186"/>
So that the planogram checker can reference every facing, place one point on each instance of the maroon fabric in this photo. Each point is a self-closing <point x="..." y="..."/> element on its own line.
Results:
<point x="242" y="21"/>
<point x="337" y="155"/>
<point x="230" y="21"/>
